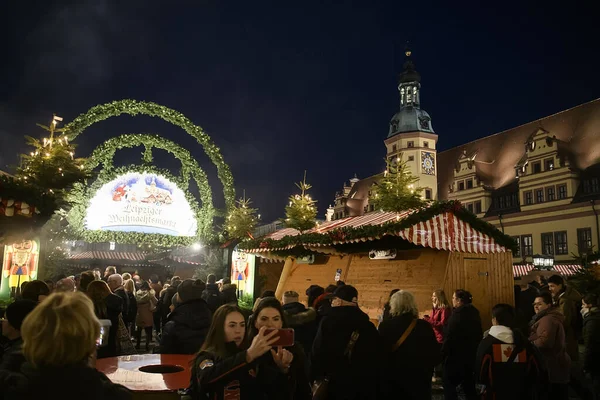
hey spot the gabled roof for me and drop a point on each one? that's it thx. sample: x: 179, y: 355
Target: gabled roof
x: 577, y: 130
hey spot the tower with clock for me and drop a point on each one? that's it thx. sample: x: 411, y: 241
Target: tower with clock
x: 411, y: 136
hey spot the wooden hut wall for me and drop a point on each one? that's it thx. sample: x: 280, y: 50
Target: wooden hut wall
x: 488, y: 277
x: 268, y: 274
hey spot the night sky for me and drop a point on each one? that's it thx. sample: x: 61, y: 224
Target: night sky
x: 286, y: 86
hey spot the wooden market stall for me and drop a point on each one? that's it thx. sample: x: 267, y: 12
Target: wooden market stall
x: 443, y: 246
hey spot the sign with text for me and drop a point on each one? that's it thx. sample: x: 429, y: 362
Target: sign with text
x: 141, y: 202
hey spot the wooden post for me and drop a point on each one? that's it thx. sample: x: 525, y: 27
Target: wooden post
x: 285, y: 273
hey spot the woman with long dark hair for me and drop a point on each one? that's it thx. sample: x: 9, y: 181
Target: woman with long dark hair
x: 269, y: 314
x: 226, y: 367
x: 506, y: 363
x: 106, y: 306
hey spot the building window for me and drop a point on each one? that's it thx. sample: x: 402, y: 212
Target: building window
x: 539, y: 195
x: 411, y: 158
x: 560, y: 242
x: 428, y: 194
x: 371, y: 207
x: 536, y: 167
x: 549, y: 164
x: 470, y: 184
x: 478, y: 207
x: 584, y: 240
x: 562, y: 192
x: 470, y: 207
x: 394, y: 148
x: 411, y: 144
x: 591, y: 186
x: 426, y: 144
x: 528, y: 198
x: 111, y: 245
x: 526, y: 245
x: 517, y: 252
x: 461, y: 185
x: 501, y: 202
x: 548, y: 243
x: 550, y: 193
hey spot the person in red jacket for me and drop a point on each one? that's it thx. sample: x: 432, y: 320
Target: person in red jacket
x: 440, y: 313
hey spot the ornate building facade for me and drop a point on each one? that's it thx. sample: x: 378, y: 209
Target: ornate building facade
x: 538, y: 182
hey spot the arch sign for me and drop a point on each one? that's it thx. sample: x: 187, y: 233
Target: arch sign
x: 141, y: 202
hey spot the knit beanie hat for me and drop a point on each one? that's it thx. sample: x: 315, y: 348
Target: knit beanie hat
x: 17, y: 311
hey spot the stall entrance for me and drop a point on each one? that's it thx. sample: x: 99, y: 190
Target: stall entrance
x: 476, y: 281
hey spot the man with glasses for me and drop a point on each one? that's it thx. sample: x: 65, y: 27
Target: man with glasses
x: 548, y: 335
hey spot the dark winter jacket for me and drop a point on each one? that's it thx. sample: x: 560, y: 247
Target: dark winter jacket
x: 304, y: 322
x: 12, y: 355
x: 439, y: 320
x: 186, y: 328
x: 125, y: 298
x: 132, y: 312
x: 229, y: 293
x: 569, y: 303
x: 322, y: 306
x: 407, y: 371
x: 591, y: 339
x: 524, y: 307
x: 74, y: 382
x: 354, y: 376
x: 212, y: 296
x: 114, y: 307
x: 520, y: 379
x: 548, y: 335
x: 462, y: 338
x: 232, y: 377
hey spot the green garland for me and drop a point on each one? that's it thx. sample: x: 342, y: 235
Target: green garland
x: 81, y: 196
x: 134, y: 107
x: 390, y: 228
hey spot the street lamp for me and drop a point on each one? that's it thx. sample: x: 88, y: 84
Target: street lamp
x: 543, y: 262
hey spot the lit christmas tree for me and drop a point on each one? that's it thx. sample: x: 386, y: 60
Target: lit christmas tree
x: 242, y: 219
x: 397, y: 190
x: 301, y: 212
x: 51, y: 167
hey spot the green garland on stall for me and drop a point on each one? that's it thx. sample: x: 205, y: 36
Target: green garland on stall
x: 80, y: 197
x: 133, y: 107
x: 390, y: 228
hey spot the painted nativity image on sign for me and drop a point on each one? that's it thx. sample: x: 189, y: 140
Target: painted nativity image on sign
x: 141, y: 202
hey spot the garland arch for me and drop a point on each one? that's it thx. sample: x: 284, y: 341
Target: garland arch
x: 133, y: 107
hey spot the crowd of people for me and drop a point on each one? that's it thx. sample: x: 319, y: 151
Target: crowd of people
x: 52, y: 341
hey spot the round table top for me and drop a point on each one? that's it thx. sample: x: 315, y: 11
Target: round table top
x: 125, y: 370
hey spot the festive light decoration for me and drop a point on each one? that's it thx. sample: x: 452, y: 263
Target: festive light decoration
x: 301, y: 212
x: 371, y: 231
x: 134, y: 107
x: 396, y: 191
x: 241, y: 220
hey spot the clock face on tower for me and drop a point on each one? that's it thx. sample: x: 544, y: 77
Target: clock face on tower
x: 428, y: 163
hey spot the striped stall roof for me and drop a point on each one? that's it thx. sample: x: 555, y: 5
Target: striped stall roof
x: 563, y: 269
x: 109, y: 255
x: 443, y: 232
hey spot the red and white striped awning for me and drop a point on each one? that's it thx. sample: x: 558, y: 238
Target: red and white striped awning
x: 109, y: 255
x: 563, y: 269
x: 443, y: 232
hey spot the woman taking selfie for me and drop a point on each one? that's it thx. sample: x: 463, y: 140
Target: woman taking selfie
x: 291, y: 360
x: 227, y: 368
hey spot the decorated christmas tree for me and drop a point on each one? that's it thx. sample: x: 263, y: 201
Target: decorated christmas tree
x: 397, y: 190
x: 301, y: 212
x: 242, y: 219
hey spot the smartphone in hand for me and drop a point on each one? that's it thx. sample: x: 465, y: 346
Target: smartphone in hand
x: 285, y: 337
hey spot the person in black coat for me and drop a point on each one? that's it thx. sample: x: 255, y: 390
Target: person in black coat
x: 408, y: 366
x: 187, y: 326
x: 591, y: 339
x: 352, y: 375
x: 106, y: 306
x: 507, y: 364
x: 303, y: 320
x: 115, y: 283
x: 11, y: 357
x: 229, y: 292
x: 459, y: 348
x: 132, y: 312
x: 166, y: 298
x: 211, y: 294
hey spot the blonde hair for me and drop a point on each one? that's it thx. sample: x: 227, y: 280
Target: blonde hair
x: 62, y: 330
x: 126, y: 276
x: 442, y: 299
x: 129, y: 286
x: 403, y: 302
